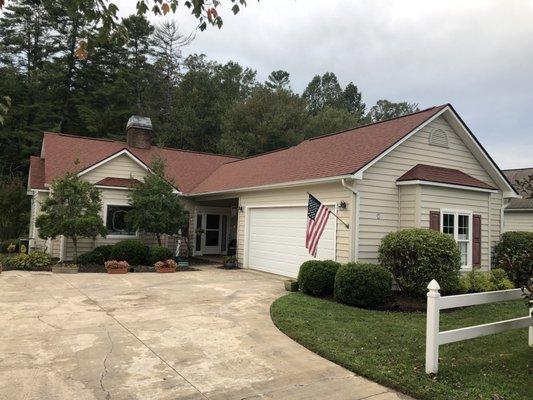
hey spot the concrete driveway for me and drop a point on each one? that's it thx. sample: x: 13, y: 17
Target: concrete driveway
x: 191, y: 335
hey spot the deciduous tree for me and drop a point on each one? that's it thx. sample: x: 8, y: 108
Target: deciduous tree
x: 156, y: 208
x: 72, y: 210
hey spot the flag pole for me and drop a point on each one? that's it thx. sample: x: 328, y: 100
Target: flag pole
x: 335, y: 215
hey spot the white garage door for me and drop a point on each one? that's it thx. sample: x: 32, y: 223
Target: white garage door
x: 276, y: 240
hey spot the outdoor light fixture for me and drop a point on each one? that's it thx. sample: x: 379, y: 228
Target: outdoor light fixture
x: 240, y: 209
x: 342, y: 205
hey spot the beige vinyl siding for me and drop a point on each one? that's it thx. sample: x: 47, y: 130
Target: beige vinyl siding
x: 326, y: 193
x: 409, y: 206
x: 36, y: 203
x: 380, y: 196
x: 120, y: 167
x: 518, y: 221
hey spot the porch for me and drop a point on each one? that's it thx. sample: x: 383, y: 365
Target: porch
x: 214, y: 231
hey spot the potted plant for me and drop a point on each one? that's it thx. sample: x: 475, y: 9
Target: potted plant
x: 291, y: 285
x: 65, y: 268
x: 165, y: 266
x: 230, y: 262
x: 116, y: 267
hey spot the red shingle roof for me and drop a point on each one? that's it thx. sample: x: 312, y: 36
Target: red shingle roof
x: 431, y: 173
x: 36, y: 173
x: 119, y: 182
x: 325, y: 156
x: 64, y: 153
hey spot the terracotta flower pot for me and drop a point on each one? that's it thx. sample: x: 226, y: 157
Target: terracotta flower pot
x: 117, y: 270
x: 164, y: 270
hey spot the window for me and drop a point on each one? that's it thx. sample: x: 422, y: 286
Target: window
x: 457, y: 225
x: 116, y: 221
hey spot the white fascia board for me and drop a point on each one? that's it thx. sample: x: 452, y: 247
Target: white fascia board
x: 113, y: 156
x: 446, y: 185
x: 275, y: 185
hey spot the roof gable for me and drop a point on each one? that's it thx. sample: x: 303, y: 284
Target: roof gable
x: 68, y: 153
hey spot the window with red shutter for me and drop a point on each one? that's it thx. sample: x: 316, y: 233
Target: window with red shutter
x: 476, y: 240
x: 434, y: 220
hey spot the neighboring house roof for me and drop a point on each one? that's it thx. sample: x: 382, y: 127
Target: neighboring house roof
x: 430, y: 173
x: 518, y: 174
x: 117, y: 182
x: 66, y: 153
x: 337, y: 154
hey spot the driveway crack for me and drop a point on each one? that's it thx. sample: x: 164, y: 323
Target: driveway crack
x: 105, y: 371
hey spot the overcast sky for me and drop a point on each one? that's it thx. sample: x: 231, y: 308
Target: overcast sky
x: 474, y: 54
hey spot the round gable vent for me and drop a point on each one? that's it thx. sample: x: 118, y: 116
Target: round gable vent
x: 438, y: 138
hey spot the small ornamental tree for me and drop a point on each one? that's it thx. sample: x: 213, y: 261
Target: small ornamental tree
x: 73, y: 210
x: 156, y: 208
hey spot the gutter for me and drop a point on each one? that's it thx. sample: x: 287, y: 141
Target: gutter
x: 354, y: 251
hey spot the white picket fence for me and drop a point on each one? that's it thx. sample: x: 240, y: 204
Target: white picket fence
x: 435, y: 303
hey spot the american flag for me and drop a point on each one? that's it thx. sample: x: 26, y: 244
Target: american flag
x: 317, y: 218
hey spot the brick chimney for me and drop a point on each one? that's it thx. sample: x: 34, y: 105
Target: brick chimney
x: 139, y: 132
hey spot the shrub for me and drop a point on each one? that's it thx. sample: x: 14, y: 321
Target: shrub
x: 514, y: 253
x: 159, y: 253
x: 500, y: 279
x: 484, y: 281
x: 318, y: 277
x: 35, y: 261
x: 416, y: 256
x: 10, y: 246
x: 132, y: 251
x: 98, y: 255
x: 363, y: 285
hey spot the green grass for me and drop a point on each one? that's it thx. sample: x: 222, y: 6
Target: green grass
x: 389, y: 348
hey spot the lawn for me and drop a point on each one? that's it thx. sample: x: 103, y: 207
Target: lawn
x: 388, y: 347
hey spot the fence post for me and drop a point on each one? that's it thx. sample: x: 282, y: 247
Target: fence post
x: 432, y: 328
x: 530, y: 340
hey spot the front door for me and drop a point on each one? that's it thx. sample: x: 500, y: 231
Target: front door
x: 212, y: 234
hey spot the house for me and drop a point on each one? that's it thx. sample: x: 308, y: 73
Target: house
x: 518, y: 213
x: 424, y: 169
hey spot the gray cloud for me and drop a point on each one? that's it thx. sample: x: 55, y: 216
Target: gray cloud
x: 475, y: 54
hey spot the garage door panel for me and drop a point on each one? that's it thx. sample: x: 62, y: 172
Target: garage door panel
x: 276, y: 240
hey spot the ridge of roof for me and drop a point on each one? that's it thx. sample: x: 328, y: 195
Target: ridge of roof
x: 126, y: 145
x: 378, y: 122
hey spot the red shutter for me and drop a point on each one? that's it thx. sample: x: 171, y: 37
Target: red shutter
x: 476, y: 240
x: 434, y: 220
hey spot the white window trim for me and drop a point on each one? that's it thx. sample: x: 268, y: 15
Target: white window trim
x: 114, y: 236
x: 456, y: 214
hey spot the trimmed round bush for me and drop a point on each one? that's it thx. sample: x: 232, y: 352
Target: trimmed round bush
x: 132, y: 251
x: 363, y: 285
x: 317, y: 278
x: 514, y: 253
x: 99, y: 255
x: 160, y: 253
x: 416, y: 256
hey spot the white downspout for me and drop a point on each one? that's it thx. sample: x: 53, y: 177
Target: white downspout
x: 355, y: 221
